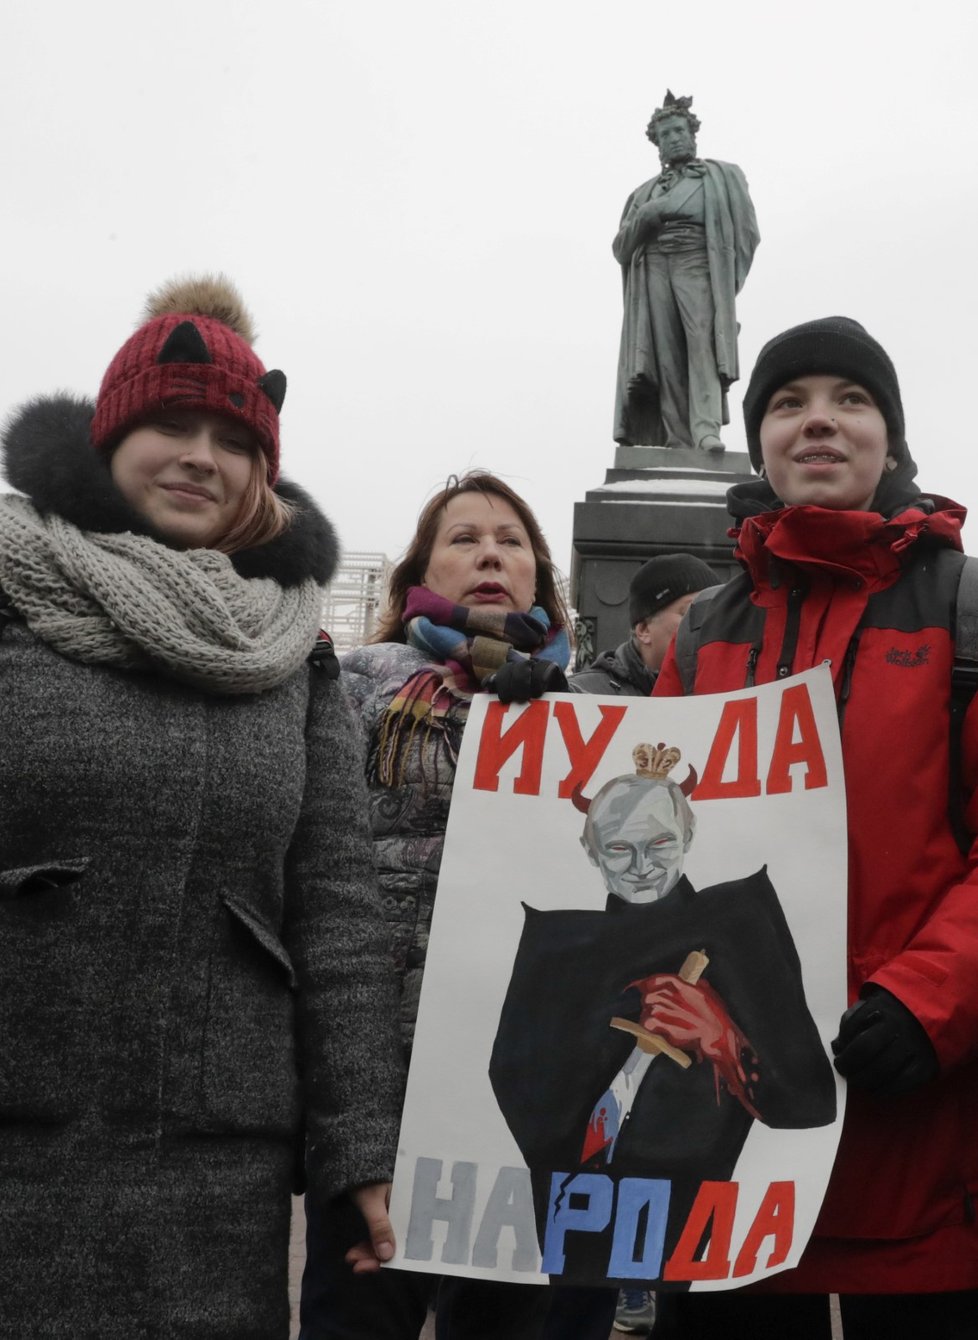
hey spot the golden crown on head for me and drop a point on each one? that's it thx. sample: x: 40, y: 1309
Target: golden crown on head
x: 655, y: 761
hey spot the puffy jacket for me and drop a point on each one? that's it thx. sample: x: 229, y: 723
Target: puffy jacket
x: 875, y: 598
x: 408, y: 819
x: 621, y: 671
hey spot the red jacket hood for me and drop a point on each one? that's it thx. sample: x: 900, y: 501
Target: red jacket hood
x: 844, y: 545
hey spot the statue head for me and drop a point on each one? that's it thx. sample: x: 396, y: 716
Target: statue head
x: 673, y: 129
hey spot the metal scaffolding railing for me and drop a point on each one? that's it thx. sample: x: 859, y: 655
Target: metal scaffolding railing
x: 354, y: 599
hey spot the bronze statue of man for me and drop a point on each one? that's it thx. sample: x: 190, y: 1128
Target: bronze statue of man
x: 685, y: 244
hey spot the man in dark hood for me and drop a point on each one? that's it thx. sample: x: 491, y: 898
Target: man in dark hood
x: 659, y: 594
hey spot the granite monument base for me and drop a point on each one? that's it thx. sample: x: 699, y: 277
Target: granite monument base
x: 655, y: 500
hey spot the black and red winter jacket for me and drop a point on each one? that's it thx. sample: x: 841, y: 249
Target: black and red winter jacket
x: 875, y: 598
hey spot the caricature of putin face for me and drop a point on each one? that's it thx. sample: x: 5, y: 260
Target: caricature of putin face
x: 637, y: 833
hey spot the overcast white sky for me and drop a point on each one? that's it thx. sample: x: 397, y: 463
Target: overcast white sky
x: 417, y: 199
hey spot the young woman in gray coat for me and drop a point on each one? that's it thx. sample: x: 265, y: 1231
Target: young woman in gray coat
x: 192, y: 962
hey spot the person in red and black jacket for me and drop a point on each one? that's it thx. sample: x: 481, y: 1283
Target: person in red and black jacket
x: 846, y: 562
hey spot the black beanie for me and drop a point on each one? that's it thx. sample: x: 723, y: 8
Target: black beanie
x: 662, y: 580
x: 835, y: 345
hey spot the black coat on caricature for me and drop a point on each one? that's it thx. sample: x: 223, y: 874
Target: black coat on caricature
x: 555, y: 1053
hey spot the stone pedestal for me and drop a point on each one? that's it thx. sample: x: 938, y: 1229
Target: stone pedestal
x: 655, y: 500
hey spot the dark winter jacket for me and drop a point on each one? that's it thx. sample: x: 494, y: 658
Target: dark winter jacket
x: 192, y: 964
x: 876, y: 599
x: 408, y: 820
x: 621, y: 671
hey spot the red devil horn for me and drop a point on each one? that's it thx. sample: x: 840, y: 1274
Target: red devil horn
x: 689, y: 784
x: 580, y: 801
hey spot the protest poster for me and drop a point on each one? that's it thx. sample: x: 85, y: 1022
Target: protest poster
x: 611, y: 864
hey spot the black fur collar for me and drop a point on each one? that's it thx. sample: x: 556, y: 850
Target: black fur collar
x: 47, y: 455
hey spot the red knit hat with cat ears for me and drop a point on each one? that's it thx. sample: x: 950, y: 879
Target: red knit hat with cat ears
x: 193, y: 352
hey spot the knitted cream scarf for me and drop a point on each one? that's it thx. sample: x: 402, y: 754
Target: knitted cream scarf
x: 128, y: 601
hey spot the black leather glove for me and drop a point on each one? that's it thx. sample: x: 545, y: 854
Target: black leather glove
x: 882, y: 1047
x: 519, y: 681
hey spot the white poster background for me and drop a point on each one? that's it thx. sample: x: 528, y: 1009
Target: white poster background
x: 503, y: 849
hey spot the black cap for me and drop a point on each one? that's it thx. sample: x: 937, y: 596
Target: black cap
x: 834, y: 345
x: 664, y: 579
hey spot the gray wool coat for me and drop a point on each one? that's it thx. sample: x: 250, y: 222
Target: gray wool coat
x: 192, y: 966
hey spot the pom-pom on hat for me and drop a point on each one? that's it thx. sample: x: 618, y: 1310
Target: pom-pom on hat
x: 834, y: 345
x: 663, y: 580
x: 193, y: 352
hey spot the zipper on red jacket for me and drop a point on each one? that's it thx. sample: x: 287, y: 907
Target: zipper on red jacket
x: 752, y: 656
x: 792, y: 624
x: 845, y: 684
x: 847, y: 668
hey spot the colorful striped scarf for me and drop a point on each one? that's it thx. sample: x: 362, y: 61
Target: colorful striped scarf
x: 466, y: 643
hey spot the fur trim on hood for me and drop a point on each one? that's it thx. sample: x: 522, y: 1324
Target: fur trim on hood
x: 47, y: 454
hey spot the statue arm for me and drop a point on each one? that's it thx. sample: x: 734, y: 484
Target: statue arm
x: 639, y: 221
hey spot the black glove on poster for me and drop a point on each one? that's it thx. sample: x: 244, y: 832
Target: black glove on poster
x: 519, y: 681
x: 882, y: 1047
